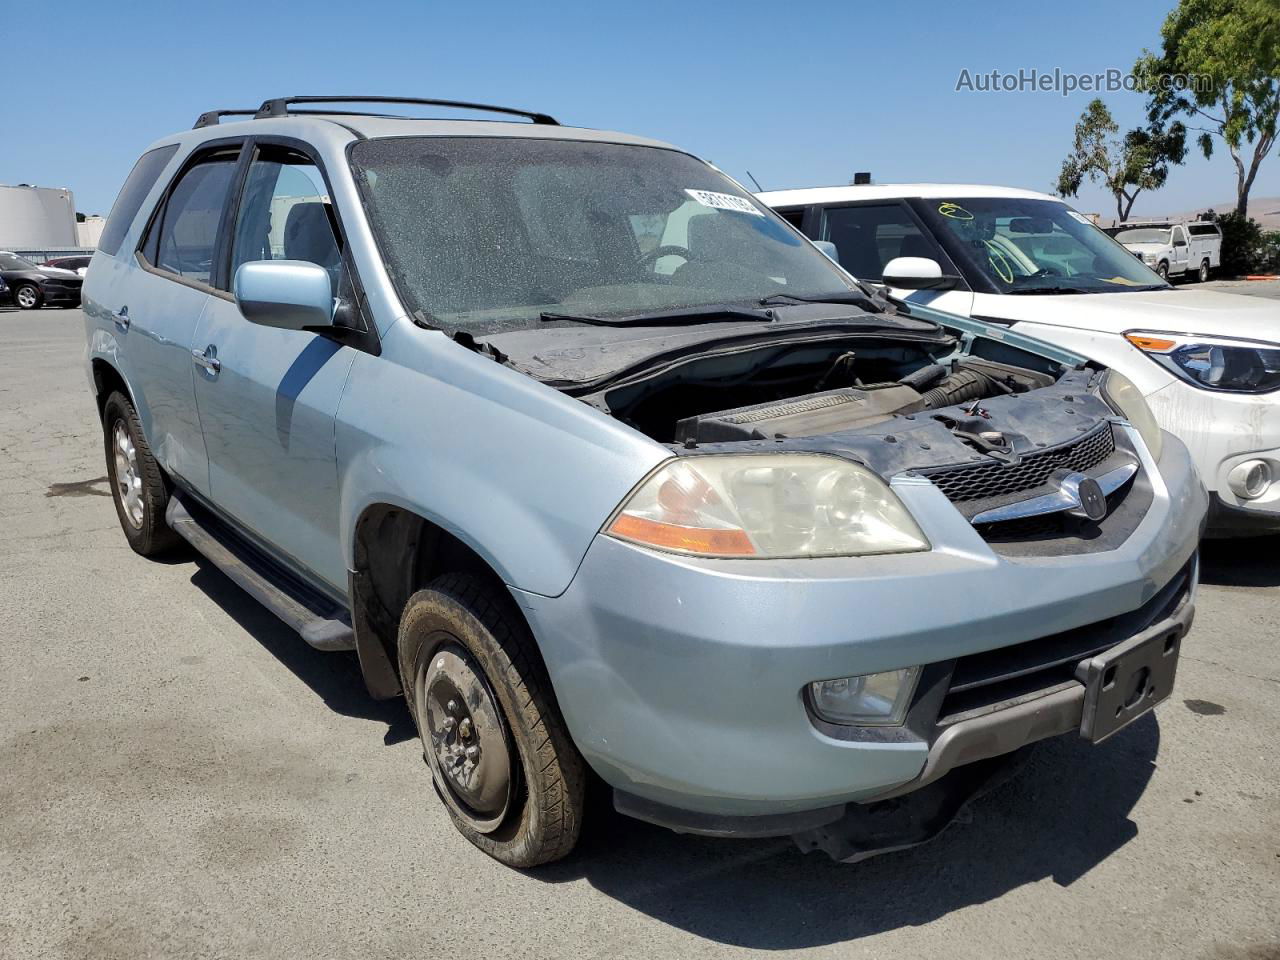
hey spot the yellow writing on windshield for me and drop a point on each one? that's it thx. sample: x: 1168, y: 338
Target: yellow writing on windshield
x: 954, y: 211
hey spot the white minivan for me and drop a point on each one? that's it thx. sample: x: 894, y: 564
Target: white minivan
x: 1207, y: 362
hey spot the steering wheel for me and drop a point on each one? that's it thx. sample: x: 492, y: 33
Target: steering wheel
x: 665, y: 250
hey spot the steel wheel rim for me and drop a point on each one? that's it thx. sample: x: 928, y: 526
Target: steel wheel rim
x: 128, y: 477
x: 464, y: 736
x: 1204, y: 272
x: 26, y: 297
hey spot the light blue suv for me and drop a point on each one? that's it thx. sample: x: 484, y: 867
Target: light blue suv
x: 611, y: 472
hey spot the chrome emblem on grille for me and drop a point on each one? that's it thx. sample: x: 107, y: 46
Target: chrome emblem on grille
x: 1088, y: 493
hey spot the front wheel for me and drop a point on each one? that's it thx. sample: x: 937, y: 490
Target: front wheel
x: 27, y: 296
x: 500, y: 755
x: 1163, y: 270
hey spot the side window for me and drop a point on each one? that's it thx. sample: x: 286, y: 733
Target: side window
x: 285, y: 213
x: 793, y: 216
x: 868, y: 237
x: 183, y: 238
x: 141, y: 180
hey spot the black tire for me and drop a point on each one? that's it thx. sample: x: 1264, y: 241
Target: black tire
x: 149, y: 536
x: 543, y: 817
x: 1162, y: 268
x: 1203, y: 274
x: 30, y: 293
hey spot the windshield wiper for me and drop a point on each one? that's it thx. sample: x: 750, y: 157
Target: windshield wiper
x: 661, y: 318
x: 851, y: 297
x: 1048, y: 290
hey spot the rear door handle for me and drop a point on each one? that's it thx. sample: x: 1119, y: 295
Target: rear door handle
x: 207, y: 358
x: 121, y: 318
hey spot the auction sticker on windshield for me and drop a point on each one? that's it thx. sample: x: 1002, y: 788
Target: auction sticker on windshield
x: 724, y: 201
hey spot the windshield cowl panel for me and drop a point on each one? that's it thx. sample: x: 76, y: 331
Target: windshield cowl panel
x: 485, y: 235
x: 1014, y: 245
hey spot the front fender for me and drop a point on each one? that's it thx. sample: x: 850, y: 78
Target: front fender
x: 519, y: 472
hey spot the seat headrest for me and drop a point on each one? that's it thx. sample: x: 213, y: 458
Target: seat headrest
x: 309, y: 234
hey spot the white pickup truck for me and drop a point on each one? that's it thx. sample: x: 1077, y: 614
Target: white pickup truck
x: 1174, y: 249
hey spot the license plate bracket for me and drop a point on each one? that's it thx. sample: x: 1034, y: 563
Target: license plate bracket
x: 1129, y: 679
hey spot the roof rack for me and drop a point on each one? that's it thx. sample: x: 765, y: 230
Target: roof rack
x: 210, y: 118
x: 279, y: 107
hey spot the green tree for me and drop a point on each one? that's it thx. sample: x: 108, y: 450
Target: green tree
x: 1125, y: 166
x: 1229, y: 50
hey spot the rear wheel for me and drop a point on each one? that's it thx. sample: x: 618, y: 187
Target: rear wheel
x: 500, y: 755
x: 27, y: 296
x: 137, y: 483
x: 1203, y: 274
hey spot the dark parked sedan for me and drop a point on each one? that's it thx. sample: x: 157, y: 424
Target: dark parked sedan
x: 32, y: 287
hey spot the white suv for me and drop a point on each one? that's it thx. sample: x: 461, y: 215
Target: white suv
x: 1207, y: 362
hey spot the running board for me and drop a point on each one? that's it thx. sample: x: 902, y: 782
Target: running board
x: 320, y: 622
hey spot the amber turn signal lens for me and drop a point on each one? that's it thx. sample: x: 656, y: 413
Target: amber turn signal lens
x: 1143, y: 342
x: 672, y: 536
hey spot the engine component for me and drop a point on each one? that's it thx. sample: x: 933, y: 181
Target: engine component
x: 816, y: 413
x: 925, y: 377
x: 960, y: 386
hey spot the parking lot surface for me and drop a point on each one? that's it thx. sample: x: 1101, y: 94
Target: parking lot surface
x: 181, y: 776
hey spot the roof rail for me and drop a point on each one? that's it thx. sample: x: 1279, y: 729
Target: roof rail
x: 210, y: 118
x: 279, y: 107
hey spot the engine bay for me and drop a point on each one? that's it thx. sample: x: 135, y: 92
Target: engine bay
x: 806, y: 391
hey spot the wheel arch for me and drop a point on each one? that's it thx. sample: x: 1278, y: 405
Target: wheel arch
x: 396, y: 551
x: 106, y: 380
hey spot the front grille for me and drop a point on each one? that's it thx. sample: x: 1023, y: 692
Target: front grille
x: 998, y: 479
x: 987, y: 681
x: 58, y: 283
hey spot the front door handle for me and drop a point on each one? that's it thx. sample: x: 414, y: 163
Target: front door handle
x: 207, y: 358
x: 121, y: 318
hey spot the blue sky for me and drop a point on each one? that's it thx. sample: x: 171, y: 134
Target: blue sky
x: 799, y: 94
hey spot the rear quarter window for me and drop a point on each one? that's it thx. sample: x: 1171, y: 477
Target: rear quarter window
x: 135, y: 190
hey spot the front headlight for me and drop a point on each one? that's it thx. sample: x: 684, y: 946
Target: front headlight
x: 876, y: 699
x: 1127, y: 400
x: 766, y: 506
x: 1214, y: 363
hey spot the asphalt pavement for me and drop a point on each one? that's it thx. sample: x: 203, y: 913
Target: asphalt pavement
x: 181, y: 776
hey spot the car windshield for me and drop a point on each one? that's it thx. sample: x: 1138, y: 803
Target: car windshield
x: 1035, y: 246
x: 487, y: 234
x: 1143, y: 235
x: 9, y: 262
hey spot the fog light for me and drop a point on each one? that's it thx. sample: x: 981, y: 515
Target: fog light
x: 875, y: 699
x: 1250, y: 480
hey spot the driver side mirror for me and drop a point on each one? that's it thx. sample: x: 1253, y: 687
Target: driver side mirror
x: 917, y: 273
x: 288, y: 294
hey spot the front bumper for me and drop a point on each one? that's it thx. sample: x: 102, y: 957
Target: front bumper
x: 59, y: 295
x: 1222, y: 431
x: 680, y: 679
